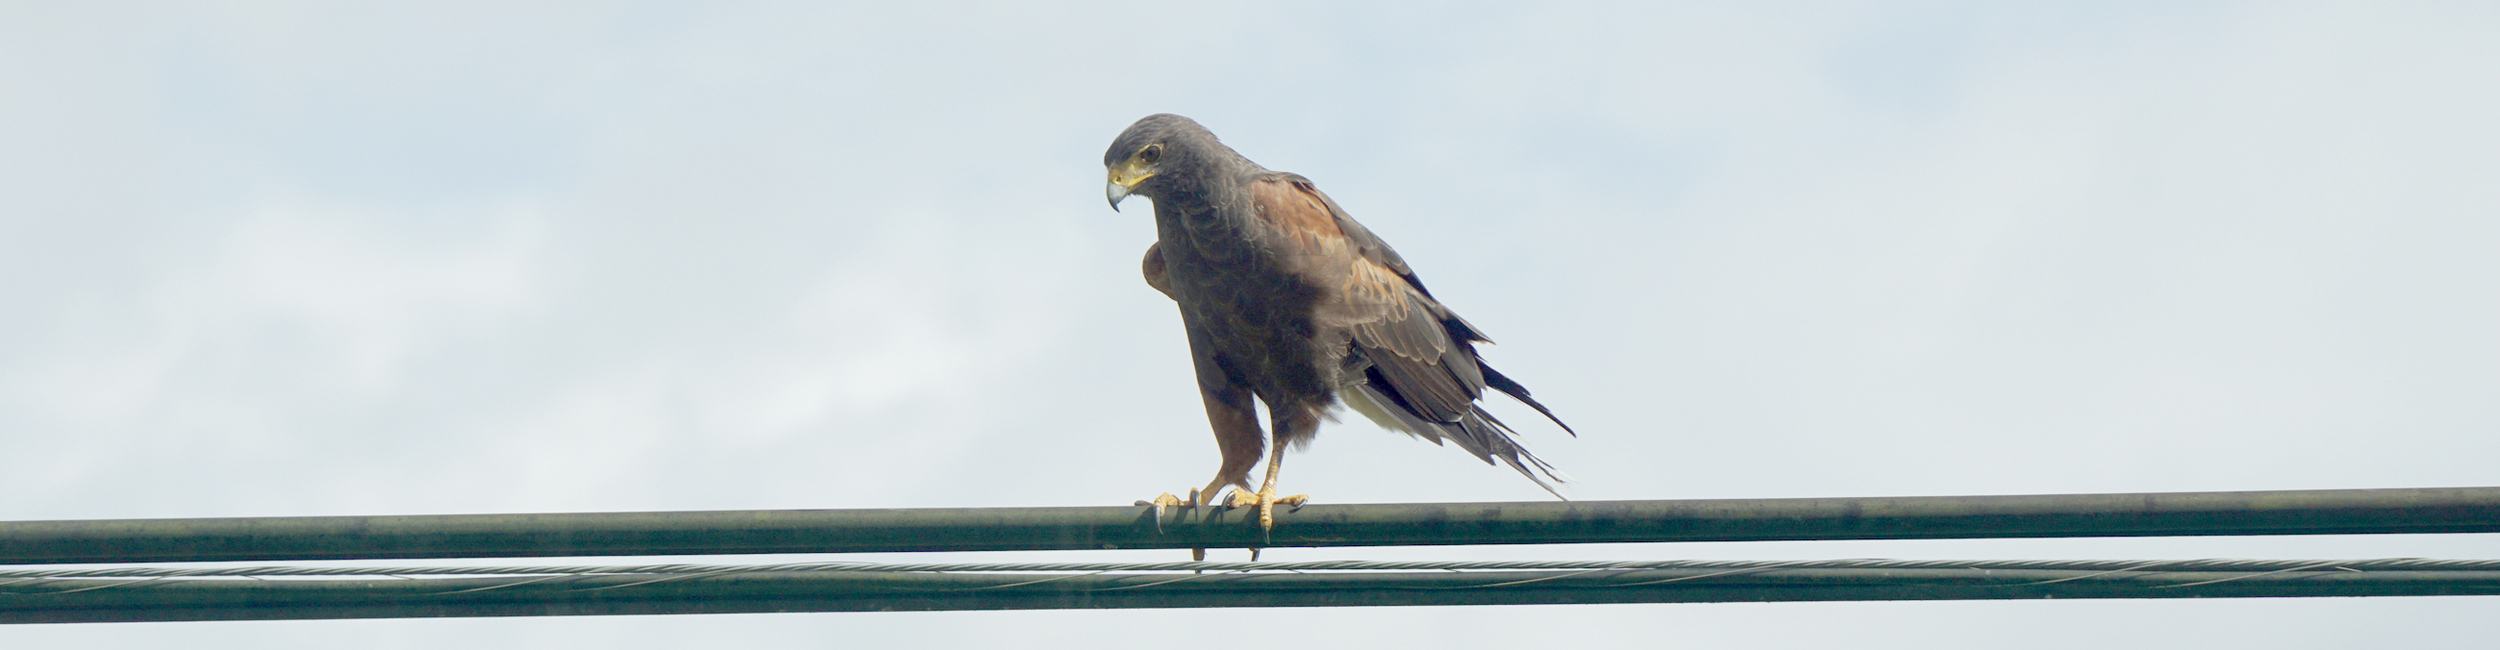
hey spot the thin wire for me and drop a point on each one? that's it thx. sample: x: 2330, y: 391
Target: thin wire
x: 2311, y: 568
x: 1719, y: 574
x: 687, y: 571
x: 1149, y: 574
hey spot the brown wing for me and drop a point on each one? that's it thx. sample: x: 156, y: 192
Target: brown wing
x: 1420, y: 356
x: 1156, y: 276
x: 1395, y: 324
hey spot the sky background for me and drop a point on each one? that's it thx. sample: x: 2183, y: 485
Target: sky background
x: 314, y: 258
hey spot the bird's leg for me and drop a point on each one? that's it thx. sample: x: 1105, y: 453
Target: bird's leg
x: 1207, y: 495
x: 1266, y: 498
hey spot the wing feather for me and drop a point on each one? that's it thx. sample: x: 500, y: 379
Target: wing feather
x: 1157, y: 275
x: 1423, y: 375
x: 1395, y: 325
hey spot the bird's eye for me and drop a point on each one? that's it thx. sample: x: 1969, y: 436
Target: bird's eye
x: 1150, y: 154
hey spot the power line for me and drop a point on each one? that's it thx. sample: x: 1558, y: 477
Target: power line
x: 2301, y: 512
x: 17, y: 577
x: 824, y: 587
x: 146, y: 593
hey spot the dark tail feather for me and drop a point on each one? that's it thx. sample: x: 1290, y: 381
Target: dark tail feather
x: 1504, y: 383
x: 1479, y: 432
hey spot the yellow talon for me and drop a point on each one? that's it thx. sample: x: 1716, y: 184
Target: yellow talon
x: 1266, y: 501
x: 1166, y: 500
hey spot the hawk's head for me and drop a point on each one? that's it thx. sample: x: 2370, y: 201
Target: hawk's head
x: 1152, y: 153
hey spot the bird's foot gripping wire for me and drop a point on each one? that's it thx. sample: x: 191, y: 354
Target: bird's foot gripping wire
x: 1163, y: 503
x: 1266, y: 501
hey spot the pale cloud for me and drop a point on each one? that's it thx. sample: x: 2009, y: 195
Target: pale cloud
x: 359, y: 298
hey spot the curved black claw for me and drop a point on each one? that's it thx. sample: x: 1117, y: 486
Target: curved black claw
x: 1162, y: 503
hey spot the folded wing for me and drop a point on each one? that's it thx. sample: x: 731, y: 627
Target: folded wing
x: 1421, y: 374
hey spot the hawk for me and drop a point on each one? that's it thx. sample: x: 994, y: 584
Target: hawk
x: 1288, y: 299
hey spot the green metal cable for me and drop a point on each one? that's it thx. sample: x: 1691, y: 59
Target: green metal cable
x: 52, y: 600
x: 2303, y: 512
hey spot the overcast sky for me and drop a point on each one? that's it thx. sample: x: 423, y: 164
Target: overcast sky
x: 331, y: 258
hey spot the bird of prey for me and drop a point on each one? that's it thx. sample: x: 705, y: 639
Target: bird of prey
x: 1288, y: 299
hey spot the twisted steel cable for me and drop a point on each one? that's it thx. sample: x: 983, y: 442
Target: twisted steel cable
x: 2086, y: 568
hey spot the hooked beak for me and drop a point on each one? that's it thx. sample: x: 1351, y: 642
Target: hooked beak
x: 1124, y: 180
x: 1115, y: 192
